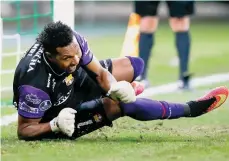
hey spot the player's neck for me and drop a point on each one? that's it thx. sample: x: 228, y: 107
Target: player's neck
x: 53, y: 66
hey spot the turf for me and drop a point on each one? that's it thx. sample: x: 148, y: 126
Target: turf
x: 203, y: 138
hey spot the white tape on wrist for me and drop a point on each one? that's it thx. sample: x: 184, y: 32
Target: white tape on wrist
x: 54, y: 126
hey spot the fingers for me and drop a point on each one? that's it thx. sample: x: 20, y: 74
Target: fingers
x: 66, y: 121
x: 122, y: 91
x: 70, y: 110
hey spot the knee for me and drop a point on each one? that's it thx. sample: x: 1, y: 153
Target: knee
x: 111, y: 108
x: 137, y: 64
x: 179, y: 24
x: 124, y: 63
x: 148, y: 24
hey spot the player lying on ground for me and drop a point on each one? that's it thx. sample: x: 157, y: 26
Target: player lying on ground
x: 62, y: 90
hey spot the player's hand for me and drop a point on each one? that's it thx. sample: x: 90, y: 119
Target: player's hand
x: 122, y: 91
x: 64, y: 122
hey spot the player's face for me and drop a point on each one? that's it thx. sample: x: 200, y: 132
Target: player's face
x: 68, y: 57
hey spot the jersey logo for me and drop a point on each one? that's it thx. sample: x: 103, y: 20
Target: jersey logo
x: 35, y: 59
x: 85, y: 123
x: 45, y: 105
x: 48, y: 81
x: 53, y: 84
x: 69, y: 80
x: 98, y: 118
x: 33, y: 49
x: 33, y: 98
x: 23, y: 106
x: 62, y: 99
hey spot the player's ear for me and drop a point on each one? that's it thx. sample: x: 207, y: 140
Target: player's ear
x: 48, y: 54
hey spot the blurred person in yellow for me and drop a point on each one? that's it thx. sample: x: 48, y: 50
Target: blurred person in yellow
x: 131, y: 40
x: 142, y: 26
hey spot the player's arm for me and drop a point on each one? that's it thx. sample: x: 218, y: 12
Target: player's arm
x: 31, y: 129
x: 120, y: 91
x: 92, y: 66
x: 101, y: 75
x: 32, y: 105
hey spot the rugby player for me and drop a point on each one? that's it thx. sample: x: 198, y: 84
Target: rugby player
x: 62, y: 91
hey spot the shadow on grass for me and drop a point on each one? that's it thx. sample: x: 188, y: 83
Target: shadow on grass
x: 122, y: 139
x: 149, y: 139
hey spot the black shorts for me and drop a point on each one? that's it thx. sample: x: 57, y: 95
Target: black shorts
x: 87, y: 100
x: 90, y: 116
x: 176, y: 8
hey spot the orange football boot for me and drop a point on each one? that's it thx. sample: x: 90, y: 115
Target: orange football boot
x: 212, y: 100
x: 219, y: 93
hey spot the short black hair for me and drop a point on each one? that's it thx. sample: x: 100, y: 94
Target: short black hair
x: 55, y: 34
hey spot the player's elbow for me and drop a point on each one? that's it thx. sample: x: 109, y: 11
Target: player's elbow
x: 22, y: 135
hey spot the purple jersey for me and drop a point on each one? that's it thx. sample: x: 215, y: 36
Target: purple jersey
x: 39, y: 86
x: 86, y: 52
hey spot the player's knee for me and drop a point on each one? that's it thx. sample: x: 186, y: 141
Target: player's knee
x: 111, y: 108
x: 137, y: 64
x: 107, y: 105
x: 148, y: 24
x: 179, y: 24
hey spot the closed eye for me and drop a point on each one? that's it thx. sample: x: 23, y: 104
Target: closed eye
x: 66, y: 58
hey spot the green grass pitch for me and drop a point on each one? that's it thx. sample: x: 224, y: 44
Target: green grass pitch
x: 203, y: 138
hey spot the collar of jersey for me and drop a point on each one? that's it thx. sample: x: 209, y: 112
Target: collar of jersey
x: 51, y: 67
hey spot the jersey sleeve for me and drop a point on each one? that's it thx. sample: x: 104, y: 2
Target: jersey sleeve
x: 87, y: 55
x: 33, y: 102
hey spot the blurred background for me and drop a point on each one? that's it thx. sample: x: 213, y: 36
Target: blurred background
x: 104, y: 24
x: 94, y: 17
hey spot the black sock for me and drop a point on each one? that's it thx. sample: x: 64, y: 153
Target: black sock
x: 183, y: 49
x: 187, y: 110
x: 198, y: 108
x: 145, y: 45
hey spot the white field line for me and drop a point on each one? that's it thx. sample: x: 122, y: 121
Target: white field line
x: 196, y: 82
x: 163, y: 89
x: 6, y: 120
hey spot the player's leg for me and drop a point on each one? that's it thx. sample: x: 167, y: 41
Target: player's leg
x: 146, y: 109
x: 148, y: 25
x: 97, y: 113
x: 92, y: 115
x: 124, y: 68
x: 180, y: 12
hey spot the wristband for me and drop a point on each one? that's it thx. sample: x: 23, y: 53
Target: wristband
x: 54, y: 125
